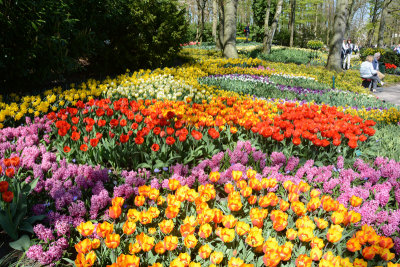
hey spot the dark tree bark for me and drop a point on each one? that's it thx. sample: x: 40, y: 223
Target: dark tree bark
x: 339, y: 26
x: 269, y: 32
x: 214, y: 19
x: 229, y: 46
x: 374, y: 19
x: 382, y: 23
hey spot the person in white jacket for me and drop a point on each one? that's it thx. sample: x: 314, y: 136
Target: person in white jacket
x: 367, y: 71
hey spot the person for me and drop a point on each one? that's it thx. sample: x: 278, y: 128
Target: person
x: 343, y: 52
x: 375, y: 64
x: 347, y: 56
x: 367, y: 71
x: 397, y: 49
x: 356, y: 49
x: 247, y: 32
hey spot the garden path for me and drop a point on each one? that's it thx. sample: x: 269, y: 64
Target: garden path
x: 390, y: 94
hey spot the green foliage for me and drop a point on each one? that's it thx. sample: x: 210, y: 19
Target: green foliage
x: 369, y: 51
x: 387, y: 140
x: 287, y: 55
x: 315, y: 44
x: 47, y: 41
x: 391, y: 57
x: 13, y: 216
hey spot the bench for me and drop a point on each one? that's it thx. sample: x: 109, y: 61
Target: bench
x: 366, y: 83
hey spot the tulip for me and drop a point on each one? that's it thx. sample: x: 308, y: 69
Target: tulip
x: 103, y: 229
x: 173, y: 184
x: 360, y: 263
x: 242, y: 228
x: 205, y: 230
x: 129, y: 227
x: 271, y: 259
x: 285, y: 251
x: 3, y: 185
x: 235, y: 262
x: 334, y: 233
x: 227, y: 235
x: 229, y: 221
x: 112, y: 240
x: 204, y: 251
x: 139, y: 201
x: 216, y: 257
x: 214, y: 176
x: 353, y: 245
x: 145, y: 217
x: 146, y: 242
x: 228, y: 188
x: 355, y: 201
x: 7, y: 196
x: 291, y: 234
x: 85, y: 228
x: 159, y: 248
x: 114, y: 211
x: 255, y: 238
x: 83, y: 260
x: 135, y: 248
x: 190, y: 241
x: 303, y: 261
x: 315, y: 254
x: 118, y: 201
x: 170, y: 242
x: 306, y: 234
x: 368, y: 253
x: 84, y: 246
x: 317, y: 242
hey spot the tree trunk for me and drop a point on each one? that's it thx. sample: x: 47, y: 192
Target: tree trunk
x: 267, y: 11
x: 214, y: 20
x: 230, y: 50
x: 316, y: 21
x: 292, y: 20
x: 269, y: 32
x: 374, y: 18
x: 349, y: 17
x: 221, y: 23
x: 339, y: 26
x: 382, y: 23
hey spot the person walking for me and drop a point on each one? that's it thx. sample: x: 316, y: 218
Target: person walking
x: 247, y: 32
x: 343, y: 52
x: 367, y: 71
x: 348, y: 52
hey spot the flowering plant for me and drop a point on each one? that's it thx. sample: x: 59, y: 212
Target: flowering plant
x: 14, y: 207
x: 253, y: 220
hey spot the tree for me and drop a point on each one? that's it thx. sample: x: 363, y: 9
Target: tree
x: 269, y: 32
x: 229, y: 41
x: 339, y: 26
x: 382, y: 23
x: 214, y: 20
x: 292, y: 20
x: 374, y: 20
x: 201, y: 5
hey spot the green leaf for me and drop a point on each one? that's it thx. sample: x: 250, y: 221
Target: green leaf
x: 36, y: 218
x: 8, y: 226
x: 26, y: 226
x: 21, y: 244
x: 69, y: 261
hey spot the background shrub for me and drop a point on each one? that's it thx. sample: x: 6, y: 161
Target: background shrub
x: 44, y: 41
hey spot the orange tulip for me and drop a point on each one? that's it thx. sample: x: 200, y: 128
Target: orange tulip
x: 236, y: 175
x: 321, y: 223
x: 271, y: 245
x: 228, y: 188
x: 145, y: 217
x: 334, y: 233
x: 190, y: 241
x: 272, y: 259
x: 241, y: 184
x: 159, y: 248
x: 246, y: 192
x: 255, y: 184
x: 386, y: 242
x: 315, y: 254
x: 229, y: 221
x: 242, y: 228
x: 83, y: 260
x: 112, y: 240
x: 144, y: 190
x: 139, y: 201
x: 284, y: 205
x: 235, y: 262
x: 154, y: 193
x: 285, y: 251
x: 338, y: 217
x: 204, y: 251
x: 85, y: 228
x: 386, y: 255
x: 171, y: 212
x: 299, y: 208
x: 355, y: 201
x: 214, y: 176
x: 146, y: 242
x: 368, y: 253
x: 170, y: 242
x: 255, y: 238
x: 227, y: 235
x: 360, y: 263
x: 291, y: 234
x: 315, y: 193
x: 313, y: 204
x: 117, y: 201
x: 128, y: 260
x: 95, y: 243
x: 84, y: 246
x: 173, y: 184
x: 186, y: 229
x: 129, y: 227
x: 205, y: 230
x: 353, y: 245
x: 133, y: 215
x: 303, y: 261
x: 114, y: 211
x: 317, y: 242
x: 293, y: 197
x: 216, y: 257
x: 252, y: 200
x: 166, y: 226
x: 134, y: 248
x: 103, y: 229
x: 306, y: 234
